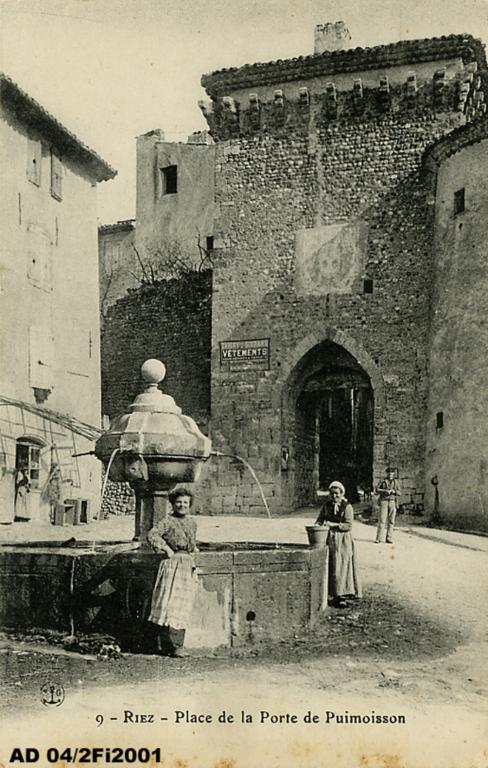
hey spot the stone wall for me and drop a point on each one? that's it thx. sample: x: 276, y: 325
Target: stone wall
x: 356, y: 174
x: 323, y: 233
x: 171, y: 321
x: 457, y: 447
x: 118, y: 499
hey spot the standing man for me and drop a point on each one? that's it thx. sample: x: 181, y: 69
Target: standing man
x: 389, y: 492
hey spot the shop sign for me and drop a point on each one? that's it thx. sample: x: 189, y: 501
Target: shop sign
x: 246, y: 355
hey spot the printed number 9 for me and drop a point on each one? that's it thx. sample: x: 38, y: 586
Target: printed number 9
x: 99, y: 719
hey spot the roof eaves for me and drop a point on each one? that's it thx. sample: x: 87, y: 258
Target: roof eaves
x: 125, y: 225
x: 35, y: 115
x: 462, y: 137
x: 349, y: 60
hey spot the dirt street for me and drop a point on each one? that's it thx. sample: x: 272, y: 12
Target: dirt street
x: 415, y: 646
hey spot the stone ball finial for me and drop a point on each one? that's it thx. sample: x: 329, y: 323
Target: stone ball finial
x: 153, y: 371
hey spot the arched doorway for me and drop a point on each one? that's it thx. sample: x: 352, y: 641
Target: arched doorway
x: 328, y: 424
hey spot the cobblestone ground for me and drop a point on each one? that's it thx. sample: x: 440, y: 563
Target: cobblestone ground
x: 416, y: 644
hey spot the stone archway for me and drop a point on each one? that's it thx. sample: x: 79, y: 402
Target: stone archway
x: 332, y: 403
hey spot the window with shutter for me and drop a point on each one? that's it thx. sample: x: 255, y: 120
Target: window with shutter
x: 34, y: 161
x: 39, y: 256
x: 56, y: 177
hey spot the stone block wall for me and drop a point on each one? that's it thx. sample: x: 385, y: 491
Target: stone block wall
x: 363, y: 173
x: 170, y: 321
x: 323, y: 230
x: 118, y: 499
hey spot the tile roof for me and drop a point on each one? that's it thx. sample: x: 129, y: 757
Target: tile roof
x: 406, y: 52
x: 35, y: 115
x: 126, y: 225
x: 472, y: 133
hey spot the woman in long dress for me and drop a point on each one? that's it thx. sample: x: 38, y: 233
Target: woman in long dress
x: 338, y: 516
x: 22, y: 489
x: 176, y: 583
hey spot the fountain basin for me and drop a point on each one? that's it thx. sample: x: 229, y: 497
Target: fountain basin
x: 162, y: 472
x: 247, y: 591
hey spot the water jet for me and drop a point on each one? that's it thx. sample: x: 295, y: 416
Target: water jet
x: 85, y: 586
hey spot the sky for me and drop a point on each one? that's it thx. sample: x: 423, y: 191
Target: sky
x: 111, y: 70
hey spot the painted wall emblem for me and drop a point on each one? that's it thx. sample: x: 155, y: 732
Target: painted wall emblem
x: 329, y: 259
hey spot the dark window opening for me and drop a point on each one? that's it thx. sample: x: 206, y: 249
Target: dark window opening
x: 459, y: 201
x: 368, y: 286
x: 27, y: 463
x: 439, y: 420
x: 170, y: 179
x: 250, y: 616
x: 210, y: 243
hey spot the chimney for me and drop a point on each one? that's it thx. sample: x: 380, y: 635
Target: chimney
x: 331, y: 37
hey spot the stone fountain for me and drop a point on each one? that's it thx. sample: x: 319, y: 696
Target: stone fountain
x: 248, y: 591
x: 152, y: 447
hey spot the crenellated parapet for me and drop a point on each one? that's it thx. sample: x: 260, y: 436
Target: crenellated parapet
x: 277, y: 109
x: 406, y: 78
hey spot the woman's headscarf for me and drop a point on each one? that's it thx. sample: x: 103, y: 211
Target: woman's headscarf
x: 337, y: 484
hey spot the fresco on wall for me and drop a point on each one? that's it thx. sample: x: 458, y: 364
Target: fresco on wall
x: 329, y: 259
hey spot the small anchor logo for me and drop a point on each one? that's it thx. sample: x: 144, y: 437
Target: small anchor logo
x: 52, y: 694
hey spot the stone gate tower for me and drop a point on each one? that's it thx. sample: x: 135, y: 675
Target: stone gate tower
x: 324, y: 228
x: 319, y: 226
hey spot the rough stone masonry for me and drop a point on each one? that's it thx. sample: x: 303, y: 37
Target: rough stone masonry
x: 323, y: 239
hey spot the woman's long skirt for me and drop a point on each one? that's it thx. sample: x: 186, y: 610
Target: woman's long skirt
x: 343, y: 569
x: 174, y: 592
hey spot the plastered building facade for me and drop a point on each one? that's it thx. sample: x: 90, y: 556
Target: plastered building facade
x: 327, y: 301
x: 50, y: 349
x: 117, y: 262
x: 457, y: 454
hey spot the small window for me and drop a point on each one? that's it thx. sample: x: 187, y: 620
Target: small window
x: 210, y: 243
x: 27, y: 463
x: 34, y: 161
x: 459, y: 201
x: 368, y: 286
x: 439, y: 419
x: 56, y: 177
x: 170, y: 179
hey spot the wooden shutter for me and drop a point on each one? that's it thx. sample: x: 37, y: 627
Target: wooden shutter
x: 56, y: 177
x: 34, y: 161
x: 39, y: 256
